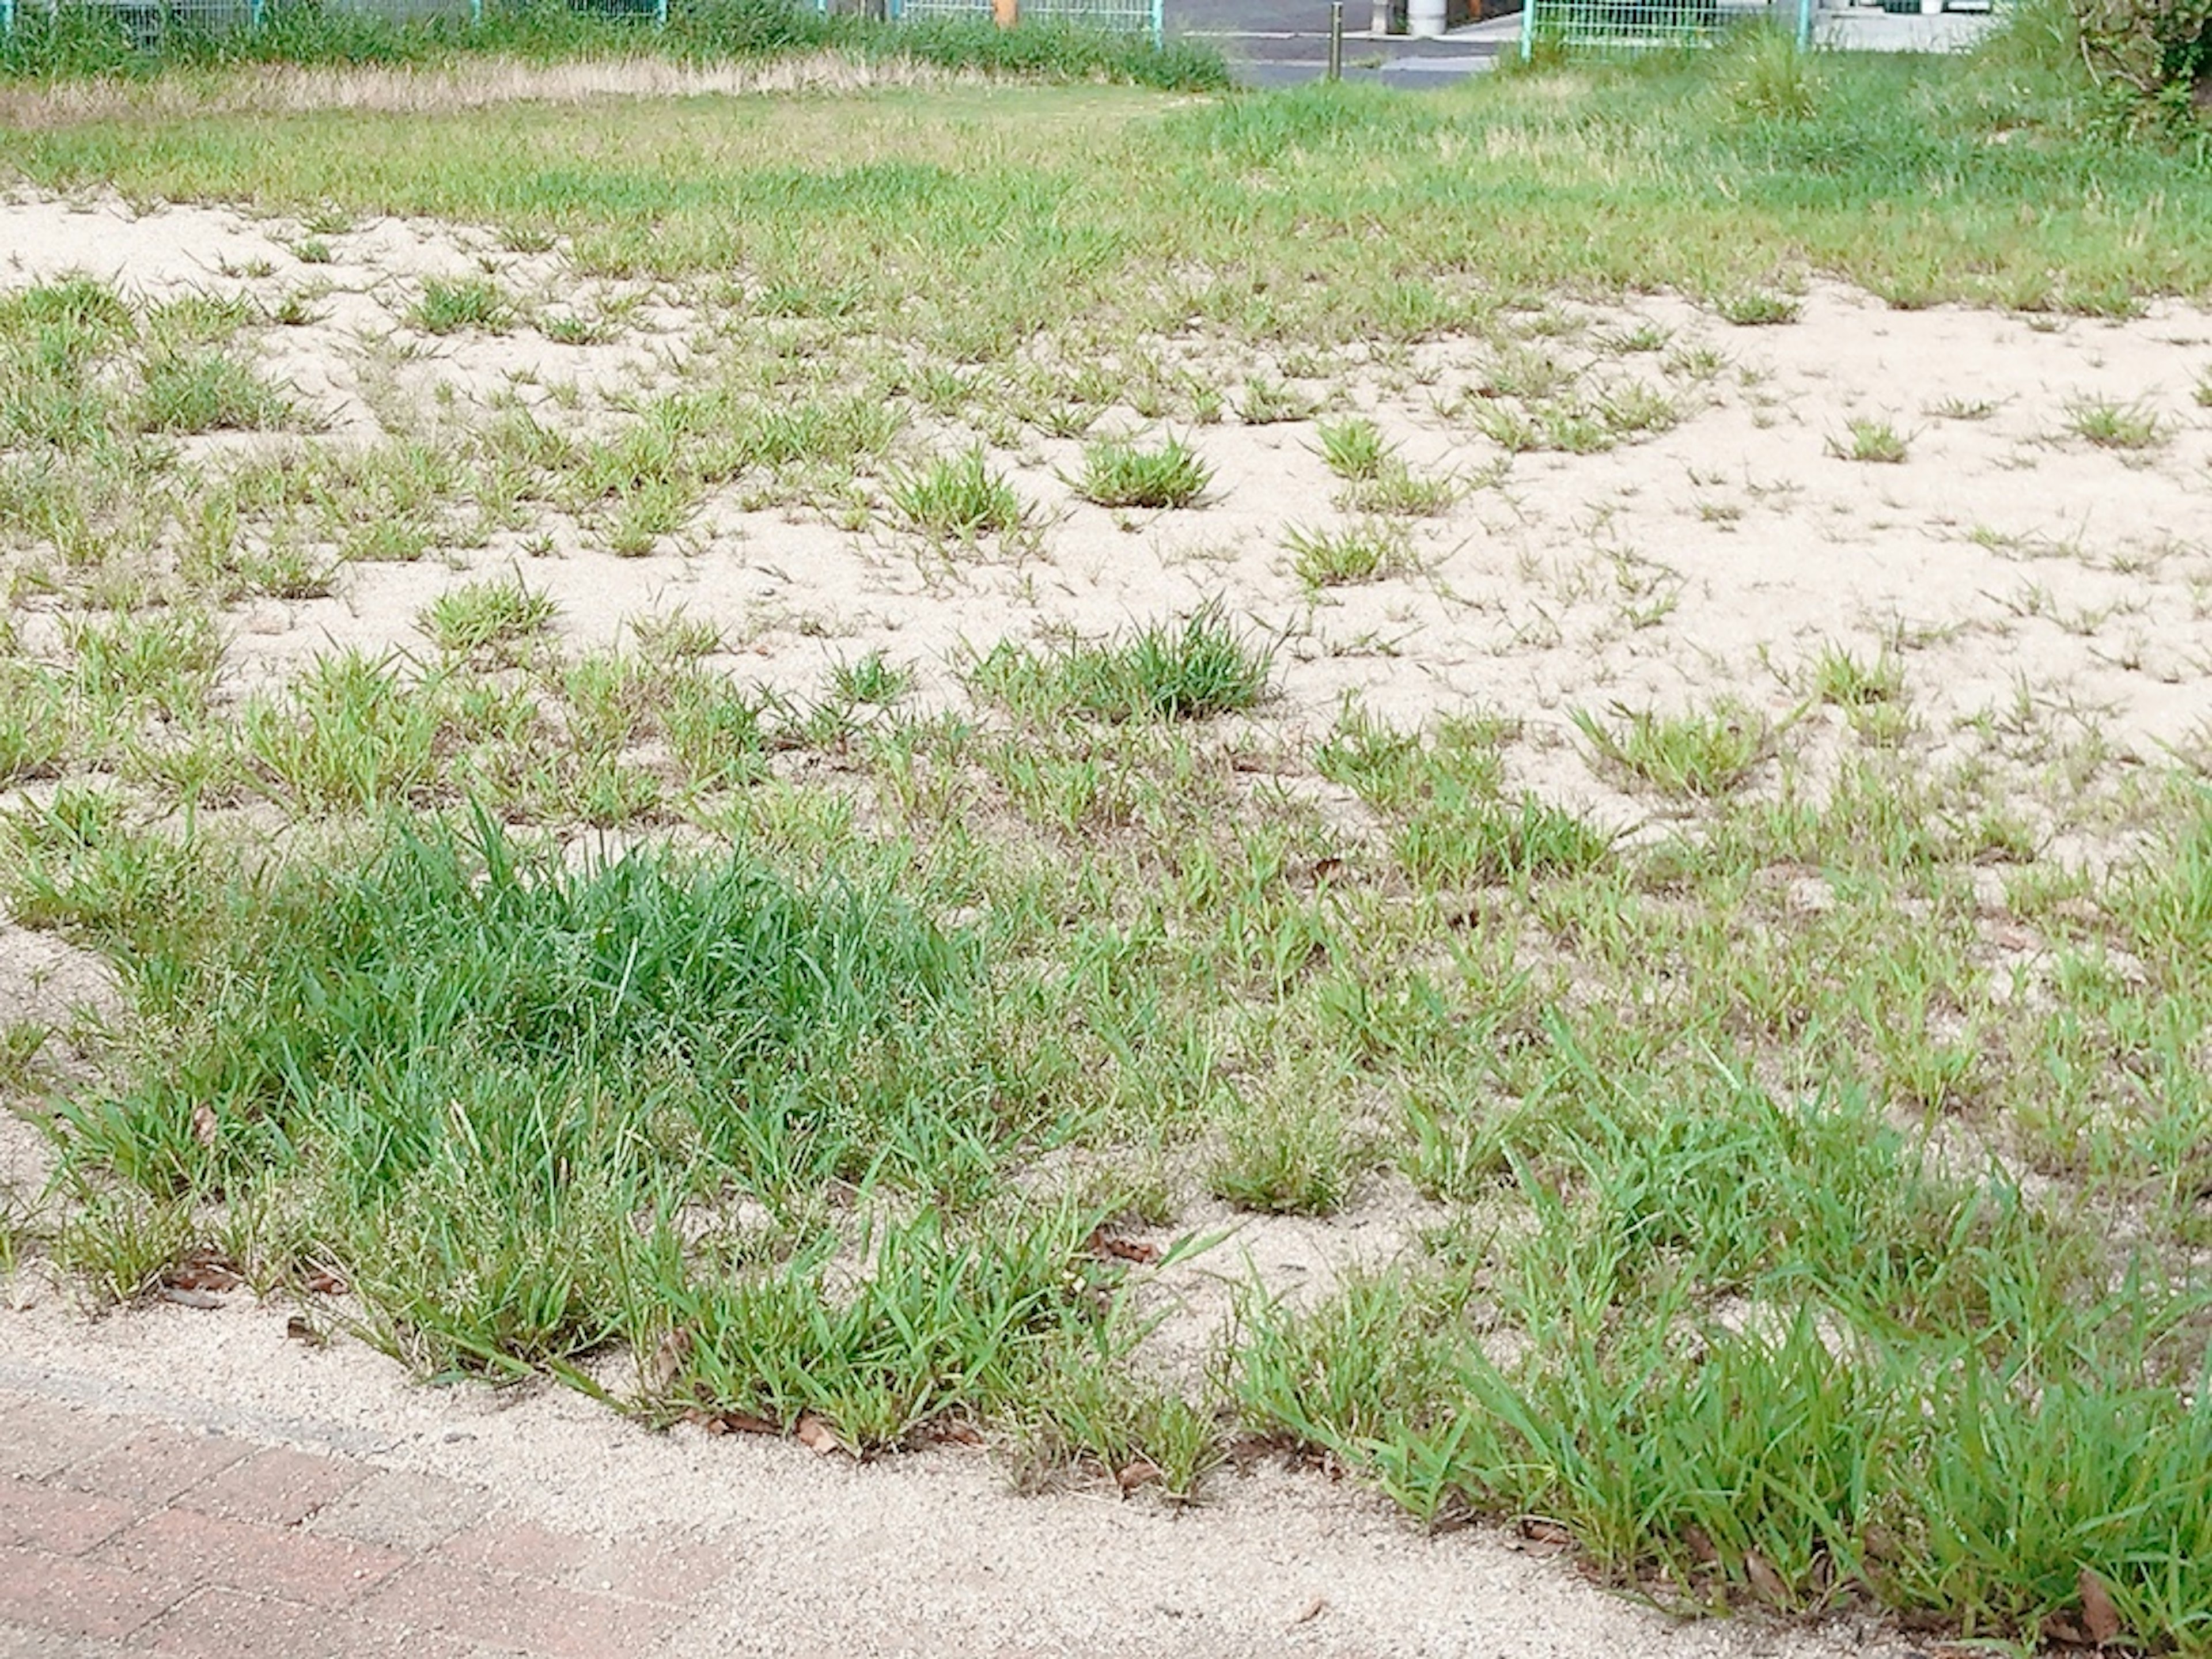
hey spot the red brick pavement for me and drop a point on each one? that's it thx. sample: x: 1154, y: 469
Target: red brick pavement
x: 123, y: 1535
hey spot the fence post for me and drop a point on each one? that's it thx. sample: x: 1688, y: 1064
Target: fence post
x: 1006, y: 13
x: 1528, y: 29
x: 1336, y: 39
x: 7, y: 16
x: 1804, y: 24
x: 1160, y: 25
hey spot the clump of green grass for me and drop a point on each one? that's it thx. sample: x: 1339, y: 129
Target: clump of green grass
x: 1354, y: 449
x: 1842, y: 679
x: 1284, y: 1158
x: 2111, y: 425
x: 872, y: 679
x: 450, y: 305
x: 957, y: 497
x: 486, y: 615
x: 1187, y: 669
x: 1117, y: 474
x: 1376, y: 478
x: 207, y: 391
x: 1695, y: 754
x: 1866, y: 438
x: 1757, y: 308
x: 1363, y: 552
x: 444, y: 1045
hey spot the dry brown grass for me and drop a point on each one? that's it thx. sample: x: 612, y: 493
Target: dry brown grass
x: 474, y: 84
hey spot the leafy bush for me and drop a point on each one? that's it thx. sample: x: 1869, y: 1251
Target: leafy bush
x: 2161, y: 49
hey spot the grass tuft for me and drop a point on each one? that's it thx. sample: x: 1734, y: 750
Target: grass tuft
x: 1117, y: 474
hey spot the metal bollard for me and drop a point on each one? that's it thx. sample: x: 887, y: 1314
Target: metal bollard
x: 1336, y: 39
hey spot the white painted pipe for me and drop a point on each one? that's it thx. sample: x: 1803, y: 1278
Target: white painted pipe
x: 1425, y: 19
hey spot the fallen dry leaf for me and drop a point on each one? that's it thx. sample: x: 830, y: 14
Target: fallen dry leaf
x: 205, y: 1126
x: 299, y: 1330
x: 1765, y: 1580
x: 816, y: 1436
x: 1538, y: 1529
x: 202, y: 1271
x: 730, y: 1422
x: 1313, y: 1611
x: 669, y: 1359
x: 1123, y: 1249
x: 1139, y: 1472
x: 321, y: 1281
x: 1701, y: 1544
x: 2101, y: 1619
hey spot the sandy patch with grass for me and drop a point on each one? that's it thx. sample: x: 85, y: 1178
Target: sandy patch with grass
x: 1949, y: 532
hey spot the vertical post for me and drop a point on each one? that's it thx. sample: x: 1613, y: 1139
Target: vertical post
x: 660, y: 13
x: 1528, y: 29
x: 6, y: 17
x: 1006, y: 13
x: 475, y: 14
x: 1804, y: 24
x: 1336, y: 39
x: 1160, y: 25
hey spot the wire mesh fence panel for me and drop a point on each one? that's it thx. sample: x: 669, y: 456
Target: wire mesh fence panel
x: 146, y: 25
x: 1120, y: 16
x: 1631, y: 25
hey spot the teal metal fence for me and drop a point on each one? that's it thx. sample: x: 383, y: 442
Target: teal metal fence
x: 1628, y: 26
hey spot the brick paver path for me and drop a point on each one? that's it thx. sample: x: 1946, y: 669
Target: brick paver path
x: 122, y: 1535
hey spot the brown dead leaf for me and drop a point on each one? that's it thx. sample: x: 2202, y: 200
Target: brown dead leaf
x: 205, y: 1126
x: 200, y: 1271
x: 1312, y: 1611
x: 1104, y: 1244
x: 1138, y: 1472
x: 669, y: 1358
x: 1547, y: 1532
x: 300, y: 1329
x: 816, y: 1436
x: 1764, y: 1581
x: 958, y: 1434
x: 2101, y: 1619
x: 2065, y: 1633
x: 321, y: 1281
x: 1700, y: 1544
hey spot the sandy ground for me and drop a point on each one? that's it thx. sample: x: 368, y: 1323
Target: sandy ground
x: 2025, y: 577
x: 2006, y: 554
x: 928, y: 1555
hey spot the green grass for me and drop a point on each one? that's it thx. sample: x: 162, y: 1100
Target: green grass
x: 1118, y: 474
x: 1188, y: 670
x: 1810, y: 1139
x: 450, y: 305
x: 1865, y: 439
x: 1363, y: 552
x: 1683, y: 755
x: 2111, y: 425
x: 958, y: 497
